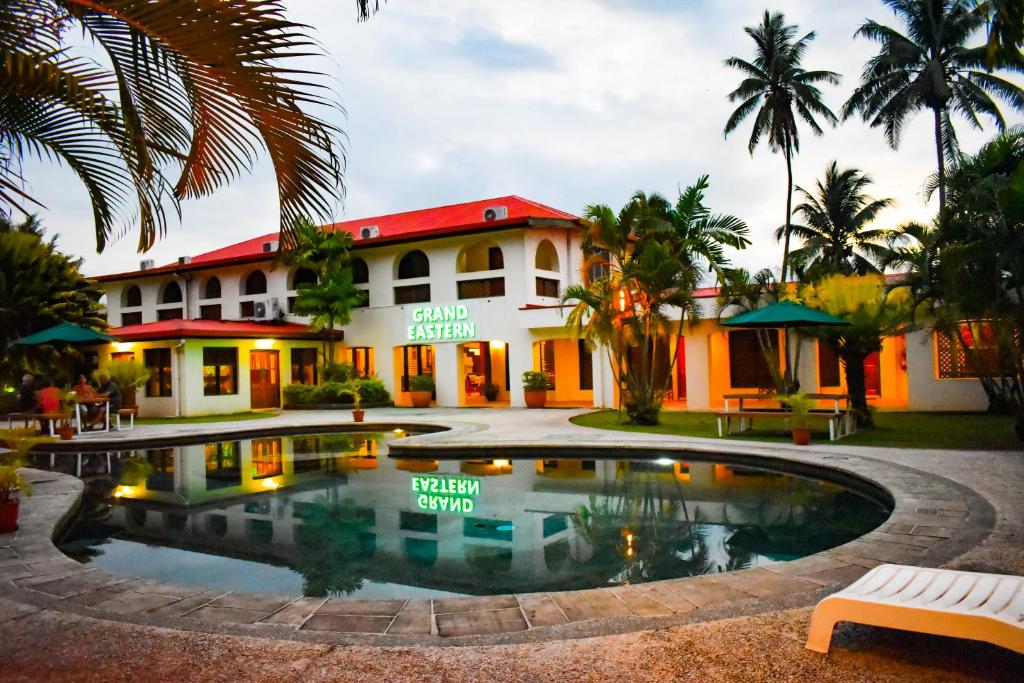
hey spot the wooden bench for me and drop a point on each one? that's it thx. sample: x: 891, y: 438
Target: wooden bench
x: 130, y: 413
x: 28, y: 418
x: 746, y: 419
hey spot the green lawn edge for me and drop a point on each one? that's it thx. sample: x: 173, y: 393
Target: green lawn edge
x: 203, y: 419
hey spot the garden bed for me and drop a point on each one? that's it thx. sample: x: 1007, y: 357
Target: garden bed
x: 365, y: 405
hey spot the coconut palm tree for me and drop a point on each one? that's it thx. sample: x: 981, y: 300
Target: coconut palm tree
x: 328, y: 303
x: 1005, y: 20
x: 185, y: 95
x: 777, y: 87
x: 836, y: 235
x: 929, y: 66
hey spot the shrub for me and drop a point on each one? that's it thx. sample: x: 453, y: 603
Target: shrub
x: 299, y: 394
x: 372, y: 390
x: 490, y: 391
x: 535, y: 381
x: 337, y: 372
x: 126, y: 374
x: 421, y: 383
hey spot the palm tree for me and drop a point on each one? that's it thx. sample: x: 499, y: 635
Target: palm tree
x: 1005, y: 20
x: 930, y: 67
x: 316, y: 248
x: 193, y: 91
x: 328, y: 303
x: 780, y: 90
x: 836, y: 237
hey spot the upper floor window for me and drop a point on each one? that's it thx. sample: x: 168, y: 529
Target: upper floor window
x: 547, y: 257
x: 171, y: 293
x: 414, y: 264
x: 211, y: 290
x: 480, y: 256
x: 131, y: 297
x: 303, y: 276
x: 255, y: 283
x: 360, y: 272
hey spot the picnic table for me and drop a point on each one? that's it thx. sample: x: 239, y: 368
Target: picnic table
x: 86, y: 401
x: 845, y: 425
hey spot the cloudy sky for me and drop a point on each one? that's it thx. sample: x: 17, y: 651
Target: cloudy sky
x: 567, y: 103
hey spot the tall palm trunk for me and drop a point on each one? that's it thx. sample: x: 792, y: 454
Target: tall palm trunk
x: 789, y: 206
x: 941, y: 159
x: 856, y: 385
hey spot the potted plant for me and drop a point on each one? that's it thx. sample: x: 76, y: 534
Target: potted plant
x: 357, y: 412
x: 128, y: 376
x: 422, y: 389
x: 490, y: 391
x: 800, y: 406
x: 11, y: 483
x: 535, y: 388
x: 67, y: 407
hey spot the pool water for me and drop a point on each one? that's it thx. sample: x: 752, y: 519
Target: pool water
x: 332, y: 514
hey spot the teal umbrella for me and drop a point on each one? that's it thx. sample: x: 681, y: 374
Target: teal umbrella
x: 785, y: 314
x: 68, y: 333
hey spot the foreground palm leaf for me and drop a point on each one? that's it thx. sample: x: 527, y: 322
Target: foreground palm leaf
x: 195, y: 90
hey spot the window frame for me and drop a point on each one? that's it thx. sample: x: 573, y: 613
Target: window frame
x: 160, y: 383
x: 218, y: 366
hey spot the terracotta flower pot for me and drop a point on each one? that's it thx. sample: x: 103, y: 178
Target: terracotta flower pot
x: 66, y: 432
x: 358, y: 414
x: 535, y: 398
x: 9, y: 516
x: 801, y: 436
x: 421, y: 399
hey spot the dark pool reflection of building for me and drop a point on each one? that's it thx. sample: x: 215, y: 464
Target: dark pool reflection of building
x: 527, y: 525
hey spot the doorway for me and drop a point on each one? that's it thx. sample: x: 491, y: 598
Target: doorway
x: 484, y: 372
x: 264, y: 379
x: 873, y: 376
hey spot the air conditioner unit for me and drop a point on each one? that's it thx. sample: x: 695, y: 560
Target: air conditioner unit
x: 146, y: 264
x: 369, y: 232
x: 268, y: 309
x: 184, y: 260
x: 495, y: 213
x: 270, y: 246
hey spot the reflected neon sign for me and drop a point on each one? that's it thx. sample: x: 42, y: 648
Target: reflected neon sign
x: 441, y: 323
x: 445, y: 494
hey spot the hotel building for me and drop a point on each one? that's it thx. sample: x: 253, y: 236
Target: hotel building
x: 468, y: 293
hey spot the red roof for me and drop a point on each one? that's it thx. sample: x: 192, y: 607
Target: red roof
x: 439, y: 221
x: 211, y: 329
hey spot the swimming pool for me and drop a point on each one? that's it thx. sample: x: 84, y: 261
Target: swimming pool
x: 332, y: 514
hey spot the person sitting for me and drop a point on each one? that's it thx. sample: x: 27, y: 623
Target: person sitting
x: 108, y: 388
x: 27, y: 394
x: 48, y: 399
x: 84, y: 390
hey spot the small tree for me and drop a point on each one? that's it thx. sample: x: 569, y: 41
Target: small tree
x: 329, y: 303
x: 873, y: 311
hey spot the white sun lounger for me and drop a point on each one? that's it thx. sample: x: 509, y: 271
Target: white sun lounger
x: 986, y: 607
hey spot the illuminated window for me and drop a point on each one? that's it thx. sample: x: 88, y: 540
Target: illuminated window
x: 416, y: 360
x: 304, y: 366
x: 976, y: 355
x: 361, y: 358
x: 121, y: 356
x: 158, y: 362
x: 220, y: 371
x: 547, y: 361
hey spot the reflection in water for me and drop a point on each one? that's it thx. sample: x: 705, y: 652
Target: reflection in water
x: 332, y: 515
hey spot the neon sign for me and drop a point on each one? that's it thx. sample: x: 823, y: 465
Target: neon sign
x: 441, y: 323
x: 445, y: 494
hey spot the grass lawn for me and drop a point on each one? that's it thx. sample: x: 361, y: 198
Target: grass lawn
x: 900, y: 430
x: 199, y: 419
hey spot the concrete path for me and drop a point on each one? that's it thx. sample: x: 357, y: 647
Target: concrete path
x: 954, y: 508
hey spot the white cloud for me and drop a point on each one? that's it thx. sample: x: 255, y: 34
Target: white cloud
x: 569, y: 103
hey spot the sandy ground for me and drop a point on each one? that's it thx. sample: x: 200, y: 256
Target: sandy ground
x: 762, y: 648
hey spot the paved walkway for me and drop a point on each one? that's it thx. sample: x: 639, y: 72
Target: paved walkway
x: 953, y: 508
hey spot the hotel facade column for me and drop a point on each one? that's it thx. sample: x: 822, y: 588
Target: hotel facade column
x: 520, y: 359
x: 698, y: 391
x: 447, y: 374
x: 604, y: 378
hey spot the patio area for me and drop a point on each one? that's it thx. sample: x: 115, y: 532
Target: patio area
x: 954, y: 508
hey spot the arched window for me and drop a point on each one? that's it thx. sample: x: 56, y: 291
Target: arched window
x: 547, y: 257
x: 212, y: 288
x: 255, y: 283
x: 480, y: 256
x: 131, y: 297
x: 303, y: 276
x: 171, y: 294
x: 413, y: 264
x: 360, y: 272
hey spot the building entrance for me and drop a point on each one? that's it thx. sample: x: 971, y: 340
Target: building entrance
x: 264, y: 379
x: 484, y: 373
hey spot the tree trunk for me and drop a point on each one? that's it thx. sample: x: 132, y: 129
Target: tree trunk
x: 789, y: 208
x: 853, y: 363
x: 941, y: 159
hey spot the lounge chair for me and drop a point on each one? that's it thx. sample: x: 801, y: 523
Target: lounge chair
x: 986, y: 607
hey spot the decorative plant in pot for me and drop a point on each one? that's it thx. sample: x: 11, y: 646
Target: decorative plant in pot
x: 800, y: 406
x: 128, y: 376
x: 535, y: 388
x: 422, y: 389
x: 67, y: 408
x: 357, y: 412
x: 12, y: 484
x: 490, y: 391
